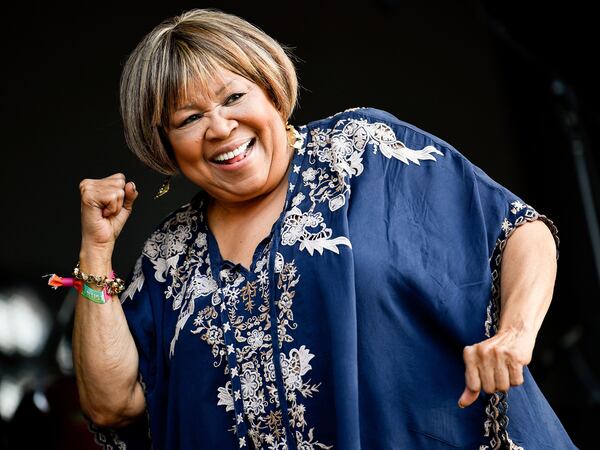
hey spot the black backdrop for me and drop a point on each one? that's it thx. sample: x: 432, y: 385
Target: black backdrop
x: 472, y: 72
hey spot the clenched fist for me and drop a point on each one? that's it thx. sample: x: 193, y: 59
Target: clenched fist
x: 495, y: 364
x: 105, y: 207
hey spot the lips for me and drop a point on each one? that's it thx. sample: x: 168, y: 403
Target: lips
x: 236, y: 154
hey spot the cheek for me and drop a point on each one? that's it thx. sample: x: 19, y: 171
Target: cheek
x: 188, y: 149
x: 274, y: 133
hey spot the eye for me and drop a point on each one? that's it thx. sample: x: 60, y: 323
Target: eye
x: 190, y: 119
x: 233, y: 98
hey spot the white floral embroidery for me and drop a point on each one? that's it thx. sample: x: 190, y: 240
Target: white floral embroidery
x: 178, y: 252
x: 168, y: 251
x: 309, y: 444
x: 343, y: 151
x: 225, y: 397
x: 506, y: 226
x: 247, y: 306
x: 517, y: 206
x: 136, y: 283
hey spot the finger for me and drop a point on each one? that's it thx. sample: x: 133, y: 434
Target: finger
x: 488, y: 382
x: 117, y: 182
x: 473, y: 386
x: 468, y: 397
x: 472, y: 380
x: 116, y: 176
x: 131, y: 194
x: 113, y: 202
x: 501, y: 378
x: 515, y: 373
x: 92, y: 187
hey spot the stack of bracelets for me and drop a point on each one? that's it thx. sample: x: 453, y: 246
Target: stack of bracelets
x: 83, y: 282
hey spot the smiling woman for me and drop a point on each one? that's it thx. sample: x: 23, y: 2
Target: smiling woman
x: 233, y: 144
x: 172, y: 64
x: 335, y: 285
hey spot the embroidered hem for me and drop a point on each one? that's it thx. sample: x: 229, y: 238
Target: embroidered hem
x: 496, y: 424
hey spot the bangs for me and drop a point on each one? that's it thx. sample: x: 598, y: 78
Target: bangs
x: 189, y: 66
x: 183, y: 75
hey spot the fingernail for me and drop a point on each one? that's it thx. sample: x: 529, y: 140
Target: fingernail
x: 133, y: 185
x: 460, y: 405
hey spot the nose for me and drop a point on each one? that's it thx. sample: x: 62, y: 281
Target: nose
x: 220, y: 125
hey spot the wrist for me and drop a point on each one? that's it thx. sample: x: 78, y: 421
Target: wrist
x: 519, y: 330
x: 95, y: 262
x: 97, y: 248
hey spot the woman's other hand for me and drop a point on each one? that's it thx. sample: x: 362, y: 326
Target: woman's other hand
x: 105, y: 207
x: 527, y: 280
x: 495, y: 364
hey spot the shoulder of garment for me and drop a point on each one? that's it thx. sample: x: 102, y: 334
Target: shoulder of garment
x: 337, y: 121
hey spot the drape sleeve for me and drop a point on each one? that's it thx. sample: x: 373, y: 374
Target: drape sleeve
x: 443, y: 221
x: 504, y: 212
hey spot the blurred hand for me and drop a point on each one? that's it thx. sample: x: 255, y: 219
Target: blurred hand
x: 105, y: 207
x: 495, y: 364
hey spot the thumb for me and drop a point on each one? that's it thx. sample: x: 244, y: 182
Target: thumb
x: 467, y: 398
x: 131, y: 194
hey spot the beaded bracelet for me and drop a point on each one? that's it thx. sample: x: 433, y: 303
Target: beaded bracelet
x: 112, y: 286
x: 82, y: 281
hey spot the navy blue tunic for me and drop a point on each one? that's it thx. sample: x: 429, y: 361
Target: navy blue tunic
x: 347, y: 330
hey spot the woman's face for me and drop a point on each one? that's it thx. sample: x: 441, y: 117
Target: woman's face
x: 230, y: 141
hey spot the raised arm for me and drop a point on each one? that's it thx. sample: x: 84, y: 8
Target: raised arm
x: 527, y: 280
x: 104, y: 352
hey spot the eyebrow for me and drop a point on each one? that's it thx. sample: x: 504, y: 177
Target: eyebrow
x: 217, y: 93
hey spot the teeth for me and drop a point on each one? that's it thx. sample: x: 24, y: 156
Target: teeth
x: 238, y: 151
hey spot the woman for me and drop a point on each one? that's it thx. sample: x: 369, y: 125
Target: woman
x: 337, y: 285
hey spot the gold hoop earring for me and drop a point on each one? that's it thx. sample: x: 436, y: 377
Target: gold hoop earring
x: 294, y: 138
x: 164, y: 188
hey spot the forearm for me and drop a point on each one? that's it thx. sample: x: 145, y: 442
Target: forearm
x: 105, y: 357
x: 527, y: 280
x: 526, y: 285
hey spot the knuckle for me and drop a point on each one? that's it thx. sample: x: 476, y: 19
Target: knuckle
x: 504, y: 354
x: 509, y: 352
x: 470, y: 352
x: 84, y: 184
x: 517, y: 357
x: 493, y: 351
x: 120, y: 178
x: 487, y: 352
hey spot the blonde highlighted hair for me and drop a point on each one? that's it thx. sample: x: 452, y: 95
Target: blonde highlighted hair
x: 185, y: 50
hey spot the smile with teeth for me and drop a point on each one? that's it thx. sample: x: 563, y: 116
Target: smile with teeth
x: 235, y: 155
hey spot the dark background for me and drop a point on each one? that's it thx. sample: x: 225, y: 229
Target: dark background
x: 475, y: 73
